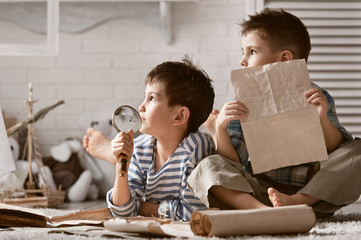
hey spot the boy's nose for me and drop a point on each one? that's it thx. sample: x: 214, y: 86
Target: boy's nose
x: 243, y: 63
x: 140, y: 108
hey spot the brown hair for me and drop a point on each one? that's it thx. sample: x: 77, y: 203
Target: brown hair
x: 186, y: 85
x: 282, y: 30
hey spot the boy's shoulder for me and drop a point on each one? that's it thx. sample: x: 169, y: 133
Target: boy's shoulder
x: 197, y: 136
x: 197, y: 141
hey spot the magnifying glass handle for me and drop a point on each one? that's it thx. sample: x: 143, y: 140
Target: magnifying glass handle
x: 122, y: 165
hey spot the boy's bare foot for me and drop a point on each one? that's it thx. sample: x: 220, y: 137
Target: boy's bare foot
x: 210, y: 123
x: 98, y: 145
x: 279, y: 199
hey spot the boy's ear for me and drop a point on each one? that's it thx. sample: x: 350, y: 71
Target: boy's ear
x: 182, y: 115
x: 286, y: 55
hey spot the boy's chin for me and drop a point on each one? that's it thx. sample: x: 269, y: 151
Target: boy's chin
x: 143, y: 130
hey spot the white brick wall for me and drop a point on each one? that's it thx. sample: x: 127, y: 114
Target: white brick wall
x: 105, y: 66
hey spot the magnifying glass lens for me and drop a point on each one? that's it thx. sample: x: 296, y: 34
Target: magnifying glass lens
x: 125, y: 118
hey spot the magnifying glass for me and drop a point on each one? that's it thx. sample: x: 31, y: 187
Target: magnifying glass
x: 124, y: 118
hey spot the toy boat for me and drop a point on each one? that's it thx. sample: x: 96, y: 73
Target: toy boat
x: 32, y: 195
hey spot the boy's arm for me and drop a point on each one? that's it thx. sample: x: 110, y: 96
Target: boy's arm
x: 333, y: 132
x: 224, y: 145
x: 136, y: 192
x: 233, y: 110
x: 333, y: 137
x: 123, y: 199
x: 123, y: 143
x: 121, y: 192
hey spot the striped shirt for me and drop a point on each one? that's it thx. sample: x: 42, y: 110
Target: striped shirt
x: 168, y: 186
x: 292, y: 175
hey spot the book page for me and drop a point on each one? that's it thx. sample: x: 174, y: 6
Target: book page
x: 281, y: 129
x: 14, y: 208
x: 147, y: 225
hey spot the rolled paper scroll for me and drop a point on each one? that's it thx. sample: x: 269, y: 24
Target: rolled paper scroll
x: 280, y: 220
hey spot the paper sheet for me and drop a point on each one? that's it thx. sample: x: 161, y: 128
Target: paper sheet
x: 281, y: 129
x: 145, y: 225
x: 6, y: 157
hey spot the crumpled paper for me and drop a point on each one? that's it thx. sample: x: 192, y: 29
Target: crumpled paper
x: 281, y: 129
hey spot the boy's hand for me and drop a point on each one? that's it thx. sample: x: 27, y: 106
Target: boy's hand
x: 123, y: 143
x: 232, y: 110
x: 317, y: 98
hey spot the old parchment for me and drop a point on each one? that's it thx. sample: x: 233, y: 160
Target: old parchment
x: 281, y: 129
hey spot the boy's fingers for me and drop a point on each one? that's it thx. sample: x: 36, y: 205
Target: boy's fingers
x: 316, y: 100
x: 241, y: 106
x: 131, y: 133
x: 310, y: 98
x: 316, y: 97
x: 244, y: 108
x: 122, y: 148
x: 122, y: 135
x: 311, y: 91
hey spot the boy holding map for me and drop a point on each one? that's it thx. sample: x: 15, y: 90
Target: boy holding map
x: 227, y: 180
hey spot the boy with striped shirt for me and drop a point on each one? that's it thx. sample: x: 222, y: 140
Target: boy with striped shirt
x: 178, y: 99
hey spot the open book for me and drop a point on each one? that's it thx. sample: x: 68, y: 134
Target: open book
x: 281, y: 220
x: 15, y: 216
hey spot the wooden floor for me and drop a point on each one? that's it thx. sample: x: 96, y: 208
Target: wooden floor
x: 101, y: 203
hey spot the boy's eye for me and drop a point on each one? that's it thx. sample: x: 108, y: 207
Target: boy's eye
x: 253, y: 52
x: 151, y: 98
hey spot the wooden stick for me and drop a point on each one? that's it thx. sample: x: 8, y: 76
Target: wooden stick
x: 38, y: 115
